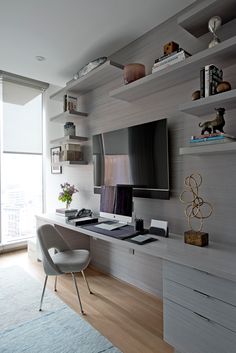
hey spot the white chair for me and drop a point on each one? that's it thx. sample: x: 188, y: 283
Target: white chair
x: 64, y: 260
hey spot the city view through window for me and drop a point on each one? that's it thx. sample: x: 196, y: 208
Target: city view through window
x: 21, y: 195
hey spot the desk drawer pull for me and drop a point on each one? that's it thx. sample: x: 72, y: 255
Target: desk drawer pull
x: 202, y: 317
x: 203, y: 294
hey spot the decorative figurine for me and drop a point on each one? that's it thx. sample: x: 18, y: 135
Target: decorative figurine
x: 170, y: 48
x: 89, y: 67
x: 223, y: 87
x: 194, y: 209
x: 196, y: 95
x: 214, y: 24
x: 216, y: 124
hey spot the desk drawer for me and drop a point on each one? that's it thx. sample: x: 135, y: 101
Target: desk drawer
x: 190, y: 333
x: 216, y: 287
x: 214, y: 309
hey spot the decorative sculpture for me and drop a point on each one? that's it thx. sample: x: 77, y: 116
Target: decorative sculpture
x: 194, y: 210
x: 196, y: 95
x: 223, y: 87
x: 89, y: 67
x: 216, y: 124
x: 214, y: 24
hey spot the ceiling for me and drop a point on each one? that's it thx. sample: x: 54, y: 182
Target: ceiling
x: 70, y: 33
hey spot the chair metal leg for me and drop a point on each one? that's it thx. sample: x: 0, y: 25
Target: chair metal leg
x: 44, y: 287
x: 85, y: 279
x: 77, y: 291
x: 55, y: 284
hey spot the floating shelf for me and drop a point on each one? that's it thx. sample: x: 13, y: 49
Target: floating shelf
x: 209, y: 149
x: 72, y: 116
x: 95, y: 78
x: 195, y: 21
x: 204, y: 106
x: 69, y: 139
x: 223, y: 54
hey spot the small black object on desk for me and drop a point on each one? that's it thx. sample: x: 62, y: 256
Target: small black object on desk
x: 138, y: 225
x: 159, y: 231
x: 142, y: 232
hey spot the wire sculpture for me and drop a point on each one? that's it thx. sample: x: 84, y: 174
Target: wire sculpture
x: 194, y: 208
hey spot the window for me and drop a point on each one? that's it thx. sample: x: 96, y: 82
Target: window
x: 21, y: 161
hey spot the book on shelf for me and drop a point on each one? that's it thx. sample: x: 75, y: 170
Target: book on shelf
x: 65, y: 212
x: 194, y: 137
x: 71, y: 147
x: 173, y: 54
x: 210, y: 142
x: 202, y: 82
x: 170, y: 60
x: 210, y: 77
x: 214, y: 138
x: 70, y: 156
x: 70, y: 103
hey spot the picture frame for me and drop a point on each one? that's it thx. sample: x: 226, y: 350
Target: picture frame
x: 55, y: 167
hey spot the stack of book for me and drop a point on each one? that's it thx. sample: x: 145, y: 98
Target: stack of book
x: 211, y: 139
x: 170, y: 59
x: 70, y: 103
x: 210, y: 77
x: 66, y: 212
x: 70, y: 152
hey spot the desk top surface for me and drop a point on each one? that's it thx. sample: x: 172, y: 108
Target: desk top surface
x: 216, y: 259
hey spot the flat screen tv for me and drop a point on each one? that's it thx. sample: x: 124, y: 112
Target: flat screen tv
x: 137, y: 156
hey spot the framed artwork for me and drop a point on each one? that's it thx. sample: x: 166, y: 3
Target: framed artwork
x: 55, y: 167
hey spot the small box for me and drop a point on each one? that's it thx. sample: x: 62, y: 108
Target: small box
x: 170, y: 47
x: 70, y: 156
x: 196, y: 238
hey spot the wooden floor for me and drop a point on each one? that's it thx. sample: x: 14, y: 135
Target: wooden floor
x: 128, y: 317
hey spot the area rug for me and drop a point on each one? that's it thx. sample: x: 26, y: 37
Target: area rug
x: 57, y: 329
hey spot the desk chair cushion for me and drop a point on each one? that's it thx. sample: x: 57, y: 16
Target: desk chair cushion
x: 71, y: 260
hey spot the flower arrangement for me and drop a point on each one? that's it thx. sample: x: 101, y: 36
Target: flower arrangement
x: 66, y: 194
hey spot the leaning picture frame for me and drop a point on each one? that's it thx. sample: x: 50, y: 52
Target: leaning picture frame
x: 55, y: 154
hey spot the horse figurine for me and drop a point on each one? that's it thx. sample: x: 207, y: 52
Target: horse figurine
x: 216, y: 124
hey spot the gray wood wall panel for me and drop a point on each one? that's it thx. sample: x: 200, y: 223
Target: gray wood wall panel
x: 137, y: 269
x: 218, y: 172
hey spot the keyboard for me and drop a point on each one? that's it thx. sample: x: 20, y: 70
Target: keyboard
x: 110, y: 226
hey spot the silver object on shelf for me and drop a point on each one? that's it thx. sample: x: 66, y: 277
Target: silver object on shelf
x: 214, y: 24
x: 89, y: 67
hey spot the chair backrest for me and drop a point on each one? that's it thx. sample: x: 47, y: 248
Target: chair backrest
x: 50, y: 238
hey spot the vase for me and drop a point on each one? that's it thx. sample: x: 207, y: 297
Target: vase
x: 133, y: 72
x: 68, y: 205
x: 69, y: 129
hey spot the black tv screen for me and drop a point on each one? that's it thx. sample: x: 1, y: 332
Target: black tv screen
x: 137, y: 156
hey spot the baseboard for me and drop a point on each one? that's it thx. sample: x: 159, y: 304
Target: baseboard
x: 13, y: 247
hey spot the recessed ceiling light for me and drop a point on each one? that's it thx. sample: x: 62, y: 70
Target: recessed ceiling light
x: 40, y: 58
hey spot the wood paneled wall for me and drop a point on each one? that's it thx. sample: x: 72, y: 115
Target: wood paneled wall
x: 218, y: 171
